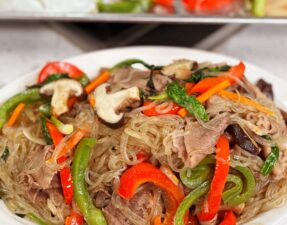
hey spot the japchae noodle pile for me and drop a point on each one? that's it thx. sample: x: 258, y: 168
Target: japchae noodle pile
x: 160, y: 145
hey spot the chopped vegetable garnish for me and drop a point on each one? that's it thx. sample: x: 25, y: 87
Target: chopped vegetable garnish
x: 67, y: 184
x: 235, y: 97
x: 74, y: 219
x: 92, y: 100
x: 270, y: 161
x: 47, y: 136
x: 249, y: 188
x: 152, y: 111
x: 229, y: 219
x: 59, y: 68
x: 72, y: 142
x: 102, y: 78
x: 142, y: 173
x: 55, y: 134
x: 25, y: 96
x: 130, y: 62
x: 63, y: 128
x: 188, y: 201
x: 15, y: 114
x: 92, y: 215
x: 212, y: 91
x: 190, y: 103
x: 218, y: 181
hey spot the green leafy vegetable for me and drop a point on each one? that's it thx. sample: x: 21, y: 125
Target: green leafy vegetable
x: 50, y: 79
x: 190, y: 103
x: 270, y: 161
x: 84, y: 80
x: 130, y: 62
x: 202, y: 73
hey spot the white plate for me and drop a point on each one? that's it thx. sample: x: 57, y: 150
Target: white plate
x: 92, y: 62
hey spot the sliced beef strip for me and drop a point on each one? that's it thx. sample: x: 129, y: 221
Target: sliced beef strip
x: 265, y: 88
x: 200, y: 141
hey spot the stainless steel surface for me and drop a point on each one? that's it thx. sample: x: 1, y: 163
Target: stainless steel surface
x: 136, y: 18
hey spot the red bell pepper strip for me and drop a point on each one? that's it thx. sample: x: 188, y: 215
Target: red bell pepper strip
x: 65, y: 173
x: 55, y: 134
x: 74, y: 219
x: 207, y: 83
x: 67, y: 184
x: 218, y: 181
x: 206, y: 5
x: 229, y: 219
x: 142, y: 173
x: 153, y: 112
x: 59, y: 68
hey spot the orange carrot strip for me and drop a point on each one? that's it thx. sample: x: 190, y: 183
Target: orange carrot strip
x: 235, y: 97
x: 92, y: 100
x: 72, y: 142
x: 182, y: 112
x: 188, y: 87
x: 157, y: 220
x: 15, y: 114
x: 103, y: 77
x: 212, y: 91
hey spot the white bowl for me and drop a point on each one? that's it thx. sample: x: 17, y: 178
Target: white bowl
x: 92, y: 62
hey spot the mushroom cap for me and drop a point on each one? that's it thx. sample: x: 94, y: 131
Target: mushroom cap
x: 181, y: 69
x: 110, y: 107
x: 61, y: 90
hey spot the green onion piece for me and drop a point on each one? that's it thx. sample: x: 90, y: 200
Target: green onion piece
x: 270, y: 161
x: 63, y: 128
x: 36, y: 219
x: 45, y: 109
x: 160, y: 97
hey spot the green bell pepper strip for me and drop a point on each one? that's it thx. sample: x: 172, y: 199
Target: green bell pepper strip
x: 161, y: 97
x: 92, y: 215
x: 190, y: 103
x: 25, y: 96
x: 270, y: 161
x: 235, y: 190
x: 188, y: 201
x: 130, y: 62
x: 249, y: 187
x: 197, y: 176
x: 258, y: 7
x: 36, y: 219
x: 47, y: 135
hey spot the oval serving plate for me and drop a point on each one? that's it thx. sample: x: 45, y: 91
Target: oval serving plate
x: 92, y: 62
